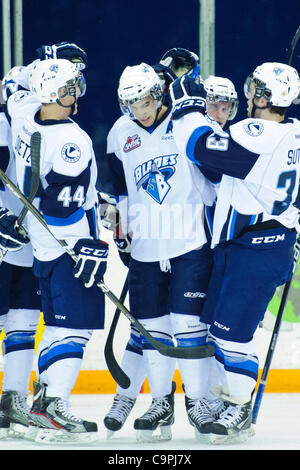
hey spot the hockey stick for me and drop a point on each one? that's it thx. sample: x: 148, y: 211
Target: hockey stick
x: 116, y: 371
x: 35, y: 147
x: 197, y: 352
x: 292, y: 46
x: 274, y: 337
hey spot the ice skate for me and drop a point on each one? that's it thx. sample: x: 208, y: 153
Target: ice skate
x: 4, y: 426
x: 16, y: 413
x: 233, y: 425
x: 117, y: 415
x: 56, y: 424
x: 201, y: 411
x: 159, y: 415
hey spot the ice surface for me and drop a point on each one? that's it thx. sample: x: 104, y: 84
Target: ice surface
x: 277, y: 428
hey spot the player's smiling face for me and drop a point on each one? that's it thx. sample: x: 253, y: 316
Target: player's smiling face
x: 145, y: 111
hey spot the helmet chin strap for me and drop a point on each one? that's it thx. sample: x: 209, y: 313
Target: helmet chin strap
x: 158, y: 111
x: 255, y: 107
x: 72, y: 106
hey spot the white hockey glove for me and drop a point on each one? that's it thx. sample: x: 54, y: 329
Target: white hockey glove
x: 188, y: 95
x: 12, y: 238
x: 92, y: 260
x: 64, y: 50
x: 110, y: 218
x: 109, y: 213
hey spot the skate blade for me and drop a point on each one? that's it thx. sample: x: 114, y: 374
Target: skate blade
x: 217, y: 439
x: 60, y: 436
x: 18, y: 431
x: 4, y: 433
x: 110, y: 434
x: 236, y: 438
x: 145, y: 436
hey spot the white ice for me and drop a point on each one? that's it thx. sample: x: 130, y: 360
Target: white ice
x: 277, y: 427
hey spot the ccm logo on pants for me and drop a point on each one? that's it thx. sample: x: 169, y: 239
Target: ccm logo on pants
x: 270, y: 239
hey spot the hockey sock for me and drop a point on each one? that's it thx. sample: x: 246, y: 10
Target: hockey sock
x: 59, y: 363
x: 239, y: 364
x: 133, y: 365
x: 159, y: 369
x: 18, y: 349
x: 189, y: 331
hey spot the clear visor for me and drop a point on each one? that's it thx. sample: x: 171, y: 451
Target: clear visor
x: 247, y: 85
x: 81, y: 82
x: 70, y: 88
x: 234, y: 103
x: 125, y: 109
x: 260, y: 88
x: 125, y: 105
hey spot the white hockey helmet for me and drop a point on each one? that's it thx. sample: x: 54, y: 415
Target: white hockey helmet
x: 278, y: 83
x: 136, y: 83
x: 222, y: 89
x: 49, y: 76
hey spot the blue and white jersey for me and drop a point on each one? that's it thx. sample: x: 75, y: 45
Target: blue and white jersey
x: 24, y: 256
x: 260, y: 163
x: 166, y: 192
x: 68, y: 174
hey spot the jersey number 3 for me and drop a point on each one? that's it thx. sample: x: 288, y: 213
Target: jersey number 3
x: 286, y: 180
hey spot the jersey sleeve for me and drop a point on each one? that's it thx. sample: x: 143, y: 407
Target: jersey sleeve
x: 5, y: 138
x: 114, y: 161
x: 216, y: 152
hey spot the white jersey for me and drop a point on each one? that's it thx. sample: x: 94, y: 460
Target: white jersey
x: 260, y: 163
x: 68, y: 173
x: 166, y: 192
x: 24, y: 256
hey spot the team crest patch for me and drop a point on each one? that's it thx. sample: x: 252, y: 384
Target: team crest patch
x: 71, y: 153
x: 132, y: 143
x: 254, y: 128
x: 20, y: 96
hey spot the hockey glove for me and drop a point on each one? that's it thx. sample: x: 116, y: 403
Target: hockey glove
x: 166, y: 75
x: 109, y: 213
x: 124, y: 248
x: 64, y: 50
x: 12, y: 238
x: 187, y: 96
x: 92, y: 260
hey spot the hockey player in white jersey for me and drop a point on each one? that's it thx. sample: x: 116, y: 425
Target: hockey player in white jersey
x: 68, y: 202
x: 170, y: 257
x: 254, y: 228
x: 222, y: 106
x: 20, y: 309
x: 21, y: 302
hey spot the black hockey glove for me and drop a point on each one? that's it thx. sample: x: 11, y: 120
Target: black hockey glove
x: 165, y: 74
x: 92, y: 260
x: 64, y: 50
x: 124, y: 248
x: 187, y: 96
x: 12, y: 238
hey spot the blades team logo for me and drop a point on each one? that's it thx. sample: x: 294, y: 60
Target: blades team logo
x: 132, y: 143
x: 71, y: 153
x: 254, y: 128
x: 154, y: 174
